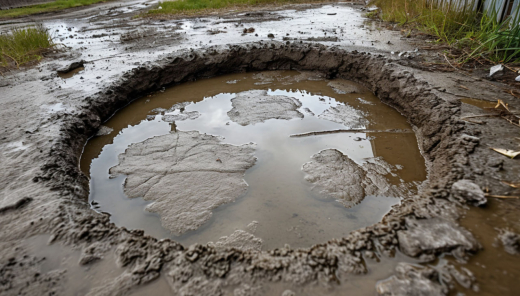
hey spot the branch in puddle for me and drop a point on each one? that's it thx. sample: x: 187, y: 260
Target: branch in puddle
x: 394, y: 131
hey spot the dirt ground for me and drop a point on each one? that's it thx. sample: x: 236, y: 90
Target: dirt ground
x: 437, y: 242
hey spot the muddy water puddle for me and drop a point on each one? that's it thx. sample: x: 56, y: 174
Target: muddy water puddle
x: 496, y: 270
x: 238, y: 123
x: 71, y: 73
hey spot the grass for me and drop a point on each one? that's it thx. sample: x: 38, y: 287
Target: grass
x: 47, y: 7
x: 21, y: 46
x: 202, y: 6
x: 475, y: 32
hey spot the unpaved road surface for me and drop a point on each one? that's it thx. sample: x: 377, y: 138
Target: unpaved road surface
x: 52, y: 242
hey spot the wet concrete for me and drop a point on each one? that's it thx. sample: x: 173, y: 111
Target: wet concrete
x: 277, y: 193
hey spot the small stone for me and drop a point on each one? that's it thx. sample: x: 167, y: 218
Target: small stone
x: 288, y: 293
x: 411, y: 280
x: 270, y: 35
x: 518, y: 78
x: 510, y: 241
x: 467, y: 190
x: 433, y: 236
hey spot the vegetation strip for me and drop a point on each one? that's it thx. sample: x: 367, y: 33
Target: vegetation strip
x: 468, y: 26
x: 21, y: 46
x: 47, y: 7
x: 204, y: 6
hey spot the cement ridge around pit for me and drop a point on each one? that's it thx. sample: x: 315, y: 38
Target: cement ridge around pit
x: 57, y: 189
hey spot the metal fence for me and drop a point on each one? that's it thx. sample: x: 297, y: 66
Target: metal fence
x: 504, y: 9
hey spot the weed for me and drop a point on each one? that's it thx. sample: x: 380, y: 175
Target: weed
x: 198, y: 6
x: 23, y: 45
x: 474, y: 30
x: 47, y: 7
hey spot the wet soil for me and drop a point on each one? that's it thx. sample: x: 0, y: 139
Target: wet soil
x: 286, y: 209
x: 46, y: 122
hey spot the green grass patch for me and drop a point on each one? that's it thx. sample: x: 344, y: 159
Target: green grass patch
x: 21, y: 46
x: 201, y: 6
x: 47, y: 7
x: 475, y: 32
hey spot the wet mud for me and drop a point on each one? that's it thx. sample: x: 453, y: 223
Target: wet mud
x: 285, y: 103
x: 47, y: 122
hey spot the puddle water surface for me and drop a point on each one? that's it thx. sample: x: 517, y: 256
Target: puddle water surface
x: 71, y: 73
x: 278, y: 197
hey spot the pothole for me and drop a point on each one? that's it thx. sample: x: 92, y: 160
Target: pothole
x: 253, y: 161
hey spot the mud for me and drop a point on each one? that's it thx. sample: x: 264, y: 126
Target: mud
x: 256, y: 106
x: 336, y: 175
x: 412, y: 280
x: 41, y: 149
x: 159, y: 169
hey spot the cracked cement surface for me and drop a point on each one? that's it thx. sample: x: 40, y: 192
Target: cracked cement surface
x: 345, y: 115
x: 186, y: 175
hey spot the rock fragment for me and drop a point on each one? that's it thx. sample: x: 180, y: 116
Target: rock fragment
x: 411, y: 280
x: 256, y: 106
x: 469, y: 191
x: 180, y: 173
x: 428, y: 237
x: 104, y: 130
x: 336, y: 175
x: 510, y: 241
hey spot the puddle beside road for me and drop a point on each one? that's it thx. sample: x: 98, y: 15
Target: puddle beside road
x: 71, y: 73
x: 285, y: 206
x: 483, y: 104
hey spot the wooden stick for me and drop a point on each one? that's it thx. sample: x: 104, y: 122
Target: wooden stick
x: 395, y: 131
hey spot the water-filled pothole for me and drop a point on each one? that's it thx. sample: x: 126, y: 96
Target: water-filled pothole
x: 321, y: 158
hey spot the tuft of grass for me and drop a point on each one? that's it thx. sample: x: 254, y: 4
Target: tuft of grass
x: 460, y: 24
x: 24, y: 45
x: 47, y: 7
x: 201, y: 6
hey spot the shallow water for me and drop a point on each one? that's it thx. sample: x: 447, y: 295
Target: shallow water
x: 287, y: 211
x: 71, y: 73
